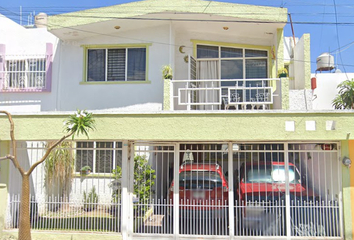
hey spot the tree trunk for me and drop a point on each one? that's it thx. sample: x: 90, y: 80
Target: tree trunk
x: 24, y: 232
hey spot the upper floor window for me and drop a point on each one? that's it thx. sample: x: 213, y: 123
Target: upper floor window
x: 25, y: 73
x: 116, y: 64
x: 231, y: 63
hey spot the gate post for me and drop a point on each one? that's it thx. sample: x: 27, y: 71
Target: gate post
x: 287, y: 191
x: 231, y: 190
x: 176, y: 192
x: 125, y: 204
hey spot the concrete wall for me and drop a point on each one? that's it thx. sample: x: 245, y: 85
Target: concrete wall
x: 302, y: 63
x: 203, y: 126
x: 20, y: 41
x: 326, y: 89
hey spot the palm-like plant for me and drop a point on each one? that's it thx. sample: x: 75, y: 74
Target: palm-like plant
x: 345, y: 96
x: 79, y: 123
x: 59, y: 168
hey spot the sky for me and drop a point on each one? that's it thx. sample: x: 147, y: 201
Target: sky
x: 329, y: 22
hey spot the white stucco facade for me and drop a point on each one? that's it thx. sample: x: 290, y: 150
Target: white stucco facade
x: 326, y: 89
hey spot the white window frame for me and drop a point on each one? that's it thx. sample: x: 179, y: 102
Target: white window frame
x: 114, y: 148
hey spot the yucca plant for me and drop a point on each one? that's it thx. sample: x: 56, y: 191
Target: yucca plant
x: 59, y: 169
x: 345, y: 96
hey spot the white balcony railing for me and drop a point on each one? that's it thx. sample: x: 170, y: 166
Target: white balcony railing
x: 23, y: 73
x: 217, y: 94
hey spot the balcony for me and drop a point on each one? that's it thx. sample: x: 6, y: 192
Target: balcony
x: 224, y: 94
x: 25, y: 73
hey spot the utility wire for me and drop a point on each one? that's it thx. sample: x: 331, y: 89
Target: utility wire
x: 339, y: 51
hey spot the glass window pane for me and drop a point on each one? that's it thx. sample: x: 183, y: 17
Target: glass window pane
x: 255, y: 53
x: 136, y: 64
x: 256, y: 68
x: 104, y: 158
x: 207, y: 51
x: 84, y: 157
x: 96, y: 64
x: 231, y: 52
x: 116, y: 65
x: 231, y: 69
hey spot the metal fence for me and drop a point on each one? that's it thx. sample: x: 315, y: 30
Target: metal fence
x: 247, y: 190
x: 68, y: 214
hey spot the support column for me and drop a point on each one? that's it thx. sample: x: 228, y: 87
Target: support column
x: 125, y: 218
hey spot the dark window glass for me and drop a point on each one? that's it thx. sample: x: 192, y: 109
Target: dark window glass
x: 136, y: 64
x: 255, y: 53
x: 207, y: 51
x: 104, y: 157
x: 231, y: 52
x: 116, y: 65
x: 96, y: 65
x: 84, y: 157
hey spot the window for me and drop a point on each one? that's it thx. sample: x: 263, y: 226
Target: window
x: 116, y: 64
x: 217, y: 62
x: 235, y: 63
x: 25, y: 73
x: 101, y: 157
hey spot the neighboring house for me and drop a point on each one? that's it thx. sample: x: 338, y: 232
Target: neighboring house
x: 326, y: 89
x: 225, y: 106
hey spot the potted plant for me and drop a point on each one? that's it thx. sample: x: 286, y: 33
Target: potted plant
x: 85, y: 170
x: 167, y: 72
x: 282, y: 72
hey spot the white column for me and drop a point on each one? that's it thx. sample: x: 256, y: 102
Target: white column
x: 231, y: 190
x: 176, y: 192
x: 125, y: 195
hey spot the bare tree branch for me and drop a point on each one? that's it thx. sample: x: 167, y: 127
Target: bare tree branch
x: 7, y: 157
x: 13, y: 142
x: 48, y: 152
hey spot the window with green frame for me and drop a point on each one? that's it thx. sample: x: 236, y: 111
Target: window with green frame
x: 116, y: 64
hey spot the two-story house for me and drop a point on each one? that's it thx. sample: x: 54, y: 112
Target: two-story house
x: 214, y: 151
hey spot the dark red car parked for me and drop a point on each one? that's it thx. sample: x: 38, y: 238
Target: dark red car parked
x: 203, y: 190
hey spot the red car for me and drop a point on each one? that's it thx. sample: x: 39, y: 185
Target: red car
x: 203, y: 190
x: 261, y: 189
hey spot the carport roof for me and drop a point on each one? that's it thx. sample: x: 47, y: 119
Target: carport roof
x: 140, y: 8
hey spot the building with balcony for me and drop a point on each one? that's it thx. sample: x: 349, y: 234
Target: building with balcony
x: 222, y: 148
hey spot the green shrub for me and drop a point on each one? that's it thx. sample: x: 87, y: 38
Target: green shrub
x: 90, y: 200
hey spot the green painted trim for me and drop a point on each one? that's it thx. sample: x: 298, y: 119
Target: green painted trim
x: 307, y: 60
x: 110, y: 46
x: 166, y: 94
x: 185, y: 126
x: 280, y: 49
x: 228, y: 44
x: 4, y: 165
x: 143, y: 8
x: 285, y: 93
x: 114, y: 82
x: 347, y: 189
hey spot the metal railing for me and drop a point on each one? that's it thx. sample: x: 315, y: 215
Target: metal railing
x: 216, y: 94
x: 23, y: 73
x: 67, y: 214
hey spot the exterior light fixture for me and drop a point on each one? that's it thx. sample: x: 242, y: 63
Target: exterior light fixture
x: 188, y: 156
x: 347, y: 162
x: 117, y: 27
x: 226, y: 28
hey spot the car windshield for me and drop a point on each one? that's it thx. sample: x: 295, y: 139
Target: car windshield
x: 269, y: 174
x: 199, y: 180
